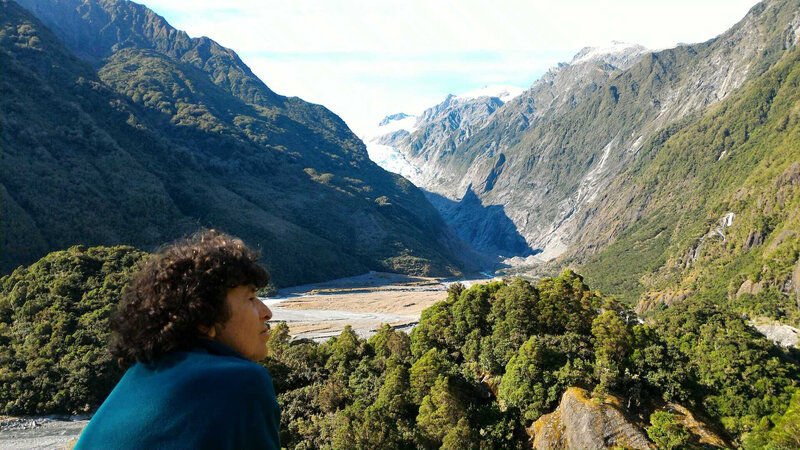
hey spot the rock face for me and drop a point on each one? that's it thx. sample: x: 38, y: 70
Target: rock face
x: 778, y: 333
x: 580, y: 422
x: 413, y: 146
x: 566, y: 140
x: 750, y: 288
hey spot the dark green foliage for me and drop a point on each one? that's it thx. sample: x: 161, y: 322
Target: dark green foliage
x: 541, y: 370
x: 732, y: 371
x: 439, y: 412
x: 666, y: 431
x: 386, y: 392
x: 165, y: 134
x: 612, y: 345
x: 786, y: 433
x: 430, y: 392
x: 462, y: 437
x: 54, y: 330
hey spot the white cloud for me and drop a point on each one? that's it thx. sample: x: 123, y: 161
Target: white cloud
x: 363, y: 59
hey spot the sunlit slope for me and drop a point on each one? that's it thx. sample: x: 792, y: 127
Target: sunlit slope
x: 712, y: 204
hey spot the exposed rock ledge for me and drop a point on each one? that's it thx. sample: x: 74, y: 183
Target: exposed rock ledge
x: 778, y: 333
x: 580, y: 422
x: 586, y: 423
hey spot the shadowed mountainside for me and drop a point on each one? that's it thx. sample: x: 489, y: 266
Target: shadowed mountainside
x: 148, y: 134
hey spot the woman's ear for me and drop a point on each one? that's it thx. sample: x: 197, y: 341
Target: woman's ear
x: 209, y: 332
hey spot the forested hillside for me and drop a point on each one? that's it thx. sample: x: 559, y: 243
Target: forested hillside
x: 712, y: 208
x: 481, y: 370
x: 147, y: 135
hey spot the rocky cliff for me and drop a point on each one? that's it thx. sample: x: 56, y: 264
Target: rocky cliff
x: 583, y: 422
x: 549, y: 157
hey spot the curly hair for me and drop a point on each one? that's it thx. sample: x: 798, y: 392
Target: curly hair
x: 177, y: 292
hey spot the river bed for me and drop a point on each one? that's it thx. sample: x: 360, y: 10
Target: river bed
x: 365, y: 302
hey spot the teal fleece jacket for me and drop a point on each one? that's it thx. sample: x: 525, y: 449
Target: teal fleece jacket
x: 210, y: 397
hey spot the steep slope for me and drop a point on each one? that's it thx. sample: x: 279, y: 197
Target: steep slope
x: 449, y: 171
x: 414, y: 145
x: 162, y: 134
x: 440, y: 129
x: 711, y: 208
x: 458, y: 149
x: 548, y: 159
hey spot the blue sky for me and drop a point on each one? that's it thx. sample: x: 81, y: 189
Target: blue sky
x: 366, y: 59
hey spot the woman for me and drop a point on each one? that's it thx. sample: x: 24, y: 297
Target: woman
x: 189, y: 327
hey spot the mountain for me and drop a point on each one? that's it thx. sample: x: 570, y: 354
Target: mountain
x: 711, y: 207
x: 118, y: 128
x: 423, y: 139
x: 412, y: 145
x: 546, y: 156
x: 558, y: 160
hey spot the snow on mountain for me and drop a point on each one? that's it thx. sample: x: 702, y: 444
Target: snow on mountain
x: 503, y: 92
x: 387, y: 156
x: 608, y: 53
x: 395, y: 122
x: 383, y: 141
x: 391, y: 159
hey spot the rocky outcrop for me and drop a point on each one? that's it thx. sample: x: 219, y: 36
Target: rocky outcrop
x: 750, y: 288
x: 654, y: 299
x: 581, y: 422
x: 701, y: 432
x: 796, y: 283
x: 754, y: 239
x: 778, y: 333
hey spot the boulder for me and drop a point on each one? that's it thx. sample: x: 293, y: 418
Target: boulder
x: 581, y: 422
x: 748, y: 287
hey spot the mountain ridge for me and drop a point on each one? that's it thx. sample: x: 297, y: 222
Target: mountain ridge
x: 563, y: 141
x: 207, y: 158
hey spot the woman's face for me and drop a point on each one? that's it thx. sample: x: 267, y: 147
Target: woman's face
x: 245, y: 330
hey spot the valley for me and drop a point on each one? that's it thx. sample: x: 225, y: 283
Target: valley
x: 614, y: 246
x: 319, y: 311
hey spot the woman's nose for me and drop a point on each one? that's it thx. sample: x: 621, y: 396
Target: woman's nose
x: 266, y: 313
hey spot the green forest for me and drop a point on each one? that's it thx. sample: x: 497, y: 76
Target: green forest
x: 477, y: 371
x: 740, y: 159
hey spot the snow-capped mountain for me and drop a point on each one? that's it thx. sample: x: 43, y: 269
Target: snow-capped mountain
x: 392, y: 143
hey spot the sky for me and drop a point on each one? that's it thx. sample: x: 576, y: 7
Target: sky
x: 365, y: 59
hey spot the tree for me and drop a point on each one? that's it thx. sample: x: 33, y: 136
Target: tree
x: 666, y: 431
x: 54, y: 330
x: 612, y: 343
x: 345, y: 351
x: 462, y: 437
x: 531, y: 382
x: 513, y: 320
x: 440, y: 411
x: 426, y: 370
x: 565, y: 305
